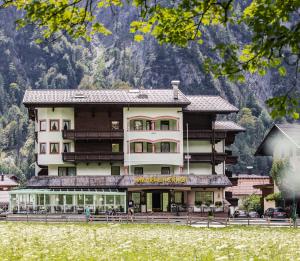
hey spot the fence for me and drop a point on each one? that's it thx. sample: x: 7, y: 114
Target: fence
x: 151, y: 219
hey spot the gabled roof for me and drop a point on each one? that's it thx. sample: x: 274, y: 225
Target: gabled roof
x: 8, y: 182
x: 203, y: 103
x: 229, y: 126
x: 291, y: 132
x: 54, y: 96
x: 192, y: 103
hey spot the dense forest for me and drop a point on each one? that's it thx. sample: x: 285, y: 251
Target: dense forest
x: 117, y: 61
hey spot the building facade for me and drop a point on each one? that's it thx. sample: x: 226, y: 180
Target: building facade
x: 102, y: 148
x: 7, y: 183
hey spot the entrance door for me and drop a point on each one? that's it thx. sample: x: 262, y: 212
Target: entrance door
x: 156, y: 201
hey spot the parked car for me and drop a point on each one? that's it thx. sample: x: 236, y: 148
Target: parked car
x: 275, y: 213
x: 240, y: 214
x: 253, y: 214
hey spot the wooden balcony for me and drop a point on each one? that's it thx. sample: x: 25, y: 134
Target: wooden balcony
x: 92, y: 135
x: 230, y: 159
x: 204, y: 135
x: 92, y: 156
x: 206, y: 157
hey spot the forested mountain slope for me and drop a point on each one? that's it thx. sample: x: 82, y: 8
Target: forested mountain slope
x: 117, y: 61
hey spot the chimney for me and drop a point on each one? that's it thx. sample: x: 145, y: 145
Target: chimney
x: 175, y: 85
x: 2, y: 177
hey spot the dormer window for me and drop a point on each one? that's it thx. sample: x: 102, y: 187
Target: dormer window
x: 54, y: 125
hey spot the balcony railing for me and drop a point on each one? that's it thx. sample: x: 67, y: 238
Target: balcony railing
x: 204, y: 134
x: 208, y: 157
x: 92, y: 156
x: 92, y: 135
x: 205, y: 157
x: 230, y: 159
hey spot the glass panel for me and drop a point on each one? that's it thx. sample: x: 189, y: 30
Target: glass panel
x: 54, y: 125
x: 148, y: 125
x: 115, y: 147
x: 165, y: 170
x: 115, y: 125
x: 69, y: 199
x: 149, y: 147
x: 60, y: 199
x: 62, y: 171
x: 138, y: 147
x: 149, y: 201
x: 67, y: 124
x: 138, y: 125
x: 54, y: 148
x: 66, y: 147
x: 80, y: 199
x: 138, y: 171
x: 110, y: 200
x: 71, y: 171
x: 165, y: 147
x: 89, y: 200
x: 115, y: 170
x: 164, y: 125
x: 178, y: 197
x: 165, y: 201
x: 203, y: 197
x: 42, y: 148
x: 47, y: 199
x: 43, y: 125
x: 136, y: 197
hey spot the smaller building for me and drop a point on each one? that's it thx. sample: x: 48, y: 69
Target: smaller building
x: 7, y: 183
x: 244, y: 185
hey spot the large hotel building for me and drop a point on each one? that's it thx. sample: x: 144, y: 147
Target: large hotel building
x: 102, y: 148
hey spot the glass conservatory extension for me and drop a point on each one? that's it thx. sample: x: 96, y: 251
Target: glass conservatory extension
x: 66, y: 201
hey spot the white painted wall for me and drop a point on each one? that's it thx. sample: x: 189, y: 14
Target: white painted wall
x: 82, y: 169
x: 203, y: 168
x: 153, y: 158
x: 154, y: 169
x: 197, y: 146
x: 48, y: 136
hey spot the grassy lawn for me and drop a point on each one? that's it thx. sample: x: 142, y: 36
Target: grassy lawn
x: 35, y: 241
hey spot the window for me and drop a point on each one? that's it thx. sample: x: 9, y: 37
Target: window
x: 54, y: 148
x: 149, y: 147
x: 69, y: 199
x: 205, y: 197
x: 54, y: 125
x: 43, y: 126
x: 115, y: 170
x: 164, y: 125
x: 148, y: 125
x: 67, y: 124
x: 138, y: 171
x: 136, y: 197
x: 138, y: 125
x: 80, y: 199
x: 165, y: 147
x: 165, y: 170
x: 89, y: 199
x: 67, y: 147
x: 115, y: 125
x: 115, y: 147
x: 66, y: 171
x: 178, y: 197
x: 138, y: 147
x: 43, y: 148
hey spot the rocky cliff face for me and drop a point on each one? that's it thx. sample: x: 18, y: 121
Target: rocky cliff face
x: 115, y: 61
